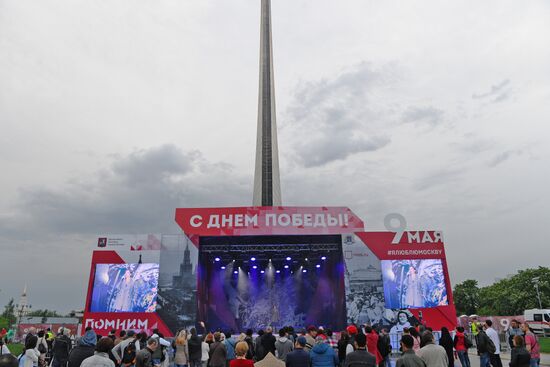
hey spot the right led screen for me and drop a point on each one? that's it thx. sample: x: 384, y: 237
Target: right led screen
x: 414, y: 283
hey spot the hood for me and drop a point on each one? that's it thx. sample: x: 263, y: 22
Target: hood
x: 320, y: 348
x: 283, y: 339
x: 231, y: 341
x: 89, y: 338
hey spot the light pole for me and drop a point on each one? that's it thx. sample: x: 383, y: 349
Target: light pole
x: 536, y: 281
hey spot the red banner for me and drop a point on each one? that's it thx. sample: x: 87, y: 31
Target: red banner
x: 267, y: 220
x: 103, y: 322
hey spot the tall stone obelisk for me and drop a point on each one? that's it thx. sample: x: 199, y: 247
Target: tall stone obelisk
x: 267, y: 183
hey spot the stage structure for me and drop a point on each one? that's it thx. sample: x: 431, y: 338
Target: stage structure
x: 268, y: 265
x: 236, y: 268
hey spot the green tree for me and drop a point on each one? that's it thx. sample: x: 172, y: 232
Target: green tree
x: 466, y: 297
x: 44, y: 313
x: 9, y: 312
x: 513, y: 295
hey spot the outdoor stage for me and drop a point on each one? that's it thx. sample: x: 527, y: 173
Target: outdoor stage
x: 250, y: 267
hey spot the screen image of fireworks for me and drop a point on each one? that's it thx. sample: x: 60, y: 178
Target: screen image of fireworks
x: 414, y: 283
x: 125, y: 288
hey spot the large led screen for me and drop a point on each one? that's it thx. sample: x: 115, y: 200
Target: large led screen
x: 252, y: 282
x: 125, y: 288
x: 414, y: 283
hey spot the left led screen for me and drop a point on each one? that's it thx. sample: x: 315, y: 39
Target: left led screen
x: 125, y: 288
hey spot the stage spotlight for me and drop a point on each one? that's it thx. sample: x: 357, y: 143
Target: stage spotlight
x: 307, y: 259
x: 233, y: 260
x: 288, y: 258
x: 304, y: 271
x: 254, y: 267
x: 317, y: 266
x: 223, y: 268
x: 323, y: 257
x: 236, y: 272
x: 252, y: 259
x: 217, y: 259
x: 277, y: 271
x: 286, y: 266
x: 261, y: 271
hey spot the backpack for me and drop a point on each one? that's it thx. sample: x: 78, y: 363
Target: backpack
x: 467, y: 342
x: 490, y: 346
x: 129, y: 354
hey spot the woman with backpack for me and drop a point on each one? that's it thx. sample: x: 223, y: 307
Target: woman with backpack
x: 462, y: 343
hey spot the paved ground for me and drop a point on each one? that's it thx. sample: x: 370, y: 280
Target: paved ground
x: 505, y: 357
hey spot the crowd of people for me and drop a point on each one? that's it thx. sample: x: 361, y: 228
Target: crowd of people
x: 313, y: 347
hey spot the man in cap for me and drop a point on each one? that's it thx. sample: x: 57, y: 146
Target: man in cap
x: 299, y: 357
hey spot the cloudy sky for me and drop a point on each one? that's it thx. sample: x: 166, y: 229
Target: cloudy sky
x: 113, y: 113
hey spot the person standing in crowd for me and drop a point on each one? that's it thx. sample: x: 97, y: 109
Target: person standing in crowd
x: 409, y: 357
x: 30, y: 333
x: 416, y: 338
x: 331, y: 340
x: 462, y: 344
x: 532, y: 345
x: 342, y: 344
x: 126, y: 351
x: 372, y: 343
x: 121, y: 337
x: 159, y: 354
x: 101, y: 355
x: 259, y: 353
x: 84, y: 349
x: 310, y: 337
x: 485, y: 346
x: 144, y: 358
x: 433, y: 355
x: 241, y: 349
x: 205, y: 348
x: 322, y: 355
x: 248, y: 339
x: 492, y: 333
x: 112, y: 334
x: 61, y: 348
x: 8, y: 360
x: 298, y: 357
x: 218, y: 352
x: 181, y: 355
x: 42, y: 347
x: 3, y: 347
x: 361, y: 355
x: 384, y: 347
x: 520, y: 356
x: 512, y: 331
x: 446, y: 341
x: 268, y: 341
x: 31, y: 353
x: 194, y: 348
x: 352, y: 331
x: 230, y: 344
x: 283, y: 345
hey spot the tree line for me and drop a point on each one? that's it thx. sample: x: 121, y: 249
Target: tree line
x: 506, y: 297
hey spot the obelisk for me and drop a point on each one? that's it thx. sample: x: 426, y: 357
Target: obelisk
x: 267, y: 184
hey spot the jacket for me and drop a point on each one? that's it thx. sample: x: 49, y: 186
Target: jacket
x: 459, y: 341
x: 144, y: 358
x: 79, y: 354
x: 283, y: 346
x: 268, y: 343
x: 181, y: 356
x: 194, y: 348
x: 118, y: 350
x: 61, y: 348
x: 298, y: 358
x: 434, y: 355
x: 483, y: 341
x: 322, y: 355
x: 230, y: 348
x: 372, y: 346
x: 31, y: 357
x: 520, y: 357
x: 218, y: 354
x: 410, y: 359
x: 98, y: 360
x: 360, y: 358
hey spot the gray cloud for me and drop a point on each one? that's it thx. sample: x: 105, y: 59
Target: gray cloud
x: 136, y: 193
x: 423, y: 115
x: 502, y: 157
x: 338, y: 117
x: 497, y: 93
